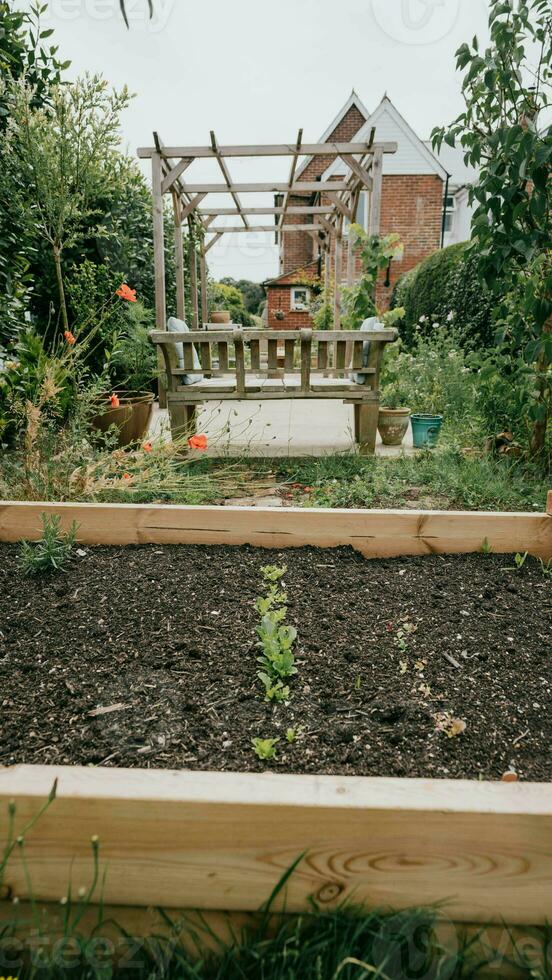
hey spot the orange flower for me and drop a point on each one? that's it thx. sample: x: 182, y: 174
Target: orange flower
x: 198, y: 442
x: 147, y: 447
x: 70, y: 338
x: 127, y: 477
x: 114, y: 401
x: 125, y: 292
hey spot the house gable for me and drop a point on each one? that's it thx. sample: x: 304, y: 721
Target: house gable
x: 413, y: 156
x: 351, y: 117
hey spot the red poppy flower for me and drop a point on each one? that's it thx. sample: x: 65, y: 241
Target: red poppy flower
x: 125, y: 292
x: 127, y: 477
x: 147, y: 447
x: 114, y: 401
x: 198, y: 442
x: 70, y: 338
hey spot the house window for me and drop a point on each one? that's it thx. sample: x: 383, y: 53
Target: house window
x: 300, y: 297
x: 362, y: 214
x: 450, y: 204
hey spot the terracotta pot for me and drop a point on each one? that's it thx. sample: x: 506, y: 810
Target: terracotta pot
x: 393, y: 425
x: 132, y: 416
x: 220, y: 316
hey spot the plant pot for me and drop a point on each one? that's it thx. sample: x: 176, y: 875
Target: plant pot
x: 220, y: 316
x: 132, y: 416
x: 393, y: 425
x: 426, y: 430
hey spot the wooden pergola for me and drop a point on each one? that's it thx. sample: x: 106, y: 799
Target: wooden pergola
x: 327, y: 204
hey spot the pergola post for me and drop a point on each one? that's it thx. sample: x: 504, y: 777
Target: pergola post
x: 158, y: 242
x: 159, y: 262
x: 375, y: 202
x: 203, y: 280
x: 192, y: 258
x: 338, y: 274
x: 179, y: 259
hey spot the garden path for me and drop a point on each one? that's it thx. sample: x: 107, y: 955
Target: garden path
x: 277, y: 428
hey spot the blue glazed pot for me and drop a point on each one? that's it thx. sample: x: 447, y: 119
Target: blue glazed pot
x: 426, y: 430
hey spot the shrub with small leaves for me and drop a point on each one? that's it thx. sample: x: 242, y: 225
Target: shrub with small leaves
x: 52, y: 551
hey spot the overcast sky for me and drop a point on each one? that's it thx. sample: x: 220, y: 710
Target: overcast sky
x: 256, y: 72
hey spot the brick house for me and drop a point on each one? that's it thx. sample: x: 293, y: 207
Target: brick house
x: 417, y: 193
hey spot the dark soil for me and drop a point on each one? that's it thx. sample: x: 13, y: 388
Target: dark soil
x: 167, y: 635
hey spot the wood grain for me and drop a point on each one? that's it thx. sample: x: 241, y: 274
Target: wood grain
x: 223, y: 840
x: 375, y: 533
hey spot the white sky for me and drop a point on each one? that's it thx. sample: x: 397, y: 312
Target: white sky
x: 256, y: 72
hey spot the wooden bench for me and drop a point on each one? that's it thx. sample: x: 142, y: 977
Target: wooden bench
x: 260, y: 365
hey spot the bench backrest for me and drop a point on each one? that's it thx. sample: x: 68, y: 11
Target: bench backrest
x: 275, y: 354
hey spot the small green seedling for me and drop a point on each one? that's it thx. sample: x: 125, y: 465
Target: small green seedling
x: 546, y: 566
x: 265, y: 748
x: 52, y: 551
x: 519, y: 562
x: 293, y: 734
x: 358, y: 683
x: 274, y: 690
x: 486, y: 547
x: 273, y: 573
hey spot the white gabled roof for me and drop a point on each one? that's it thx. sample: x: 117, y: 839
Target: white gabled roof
x: 413, y: 156
x: 353, y: 100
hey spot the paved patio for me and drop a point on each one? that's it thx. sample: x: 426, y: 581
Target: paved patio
x: 277, y: 428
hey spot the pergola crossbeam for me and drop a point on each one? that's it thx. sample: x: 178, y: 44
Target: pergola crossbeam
x: 228, y: 179
x: 271, y: 150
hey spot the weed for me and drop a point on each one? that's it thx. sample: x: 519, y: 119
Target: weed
x: 486, y: 547
x: 265, y: 748
x: 52, y: 551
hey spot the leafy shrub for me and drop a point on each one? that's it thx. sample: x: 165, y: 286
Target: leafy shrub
x: 224, y: 297
x: 444, y: 283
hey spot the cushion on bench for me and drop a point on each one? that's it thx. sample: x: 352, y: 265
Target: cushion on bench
x: 180, y: 326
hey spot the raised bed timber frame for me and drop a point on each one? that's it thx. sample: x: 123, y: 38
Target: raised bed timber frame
x: 221, y: 841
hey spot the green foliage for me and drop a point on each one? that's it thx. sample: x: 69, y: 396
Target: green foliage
x: 253, y: 293
x: 58, y: 158
x: 265, y: 748
x: 276, y: 640
x: 443, y: 288
x: 376, y: 253
x: 52, y: 552
x: 505, y: 130
x: 224, y: 297
x: 133, y: 362
x: 273, y: 573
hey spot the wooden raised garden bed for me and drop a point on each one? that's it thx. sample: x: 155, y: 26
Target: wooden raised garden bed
x: 221, y: 840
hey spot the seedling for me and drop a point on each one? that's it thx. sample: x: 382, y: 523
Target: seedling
x: 274, y: 690
x: 293, y: 734
x: 519, y: 562
x: 52, y: 551
x: 265, y: 748
x: 403, y: 634
x: 486, y: 547
x: 546, y: 567
x: 273, y: 573
x: 358, y: 682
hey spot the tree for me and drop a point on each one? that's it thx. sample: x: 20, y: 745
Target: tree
x: 505, y: 130
x: 224, y: 297
x: 252, y: 292
x: 59, y: 155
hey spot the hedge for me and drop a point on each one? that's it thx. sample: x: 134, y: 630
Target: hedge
x: 446, y: 282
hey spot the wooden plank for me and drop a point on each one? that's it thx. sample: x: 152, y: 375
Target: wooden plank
x: 358, y: 170
x: 269, y: 150
x: 374, y: 533
x: 256, y: 355
x: 549, y: 503
x: 175, y: 173
x: 273, y: 358
x: 237, y: 338
x: 262, y: 229
x: 340, y: 355
x: 225, y: 173
x: 306, y: 348
x: 222, y: 347
x: 158, y: 243
x: 293, y: 209
x: 223, y: 840
x: 188, y: 350
x: 375, y: 198
x: 192, y: 262
x: 289, y: 355
x: 322, y: 355
x: 203, y: 281
x: 178, y: 259
x: 192, y: 205
x: 212, y: 241
x: 300, y: 187
x: 358, y: 355
x: 205, y: 355
x: 157, y: 336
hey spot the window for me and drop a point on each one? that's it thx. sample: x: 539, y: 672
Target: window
x: 450, y: 204
x: 362, y: 214
x: 300, y: 297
